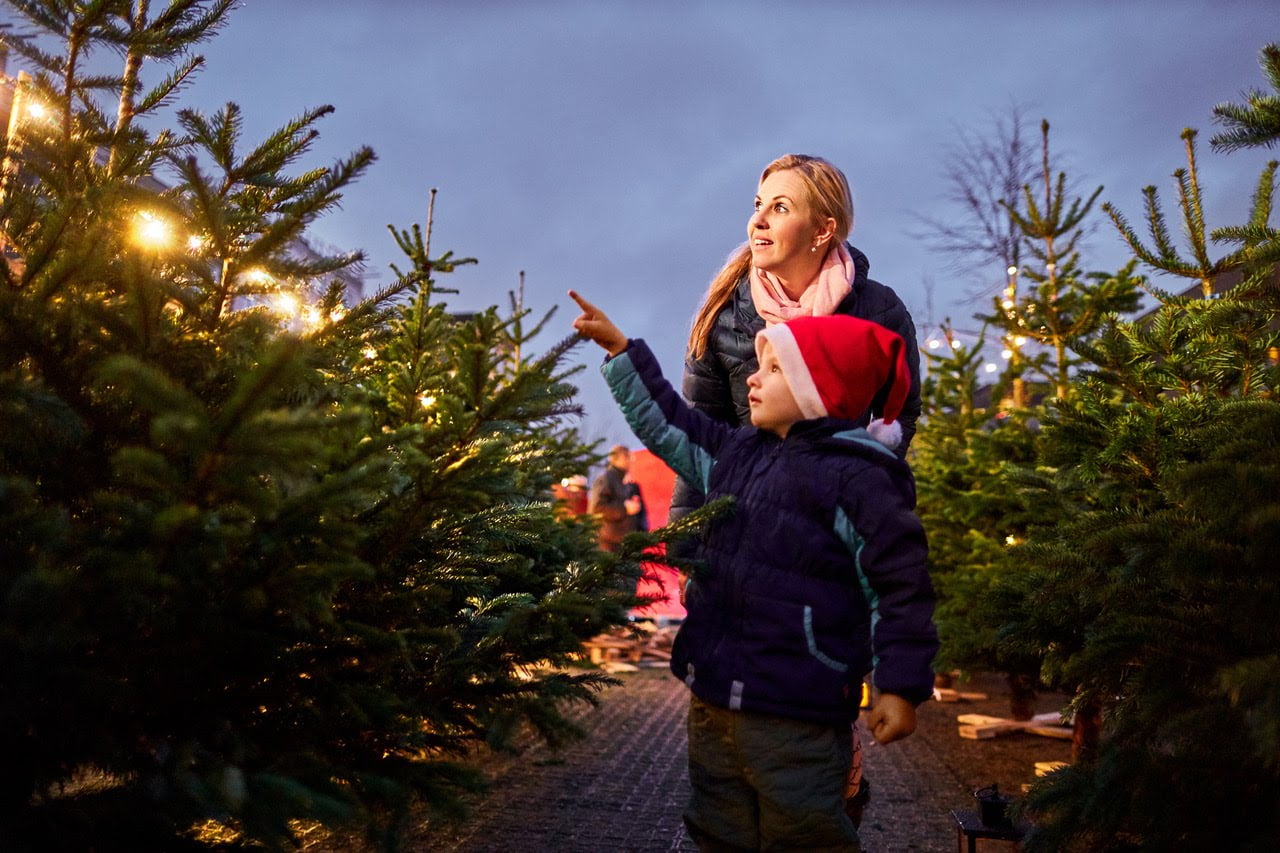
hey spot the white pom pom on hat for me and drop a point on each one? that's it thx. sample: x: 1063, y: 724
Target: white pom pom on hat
x: 836, y: 365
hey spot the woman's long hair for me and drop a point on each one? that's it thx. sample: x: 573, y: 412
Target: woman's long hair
x: 827, y: 195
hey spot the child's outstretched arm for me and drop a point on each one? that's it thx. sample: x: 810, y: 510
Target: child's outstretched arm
x: 685, y: 439
x: 593, y: 324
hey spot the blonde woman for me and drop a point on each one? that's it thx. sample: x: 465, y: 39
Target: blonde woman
x: 796, y: 262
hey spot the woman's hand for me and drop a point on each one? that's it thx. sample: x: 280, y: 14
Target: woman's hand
x: 592, y: 323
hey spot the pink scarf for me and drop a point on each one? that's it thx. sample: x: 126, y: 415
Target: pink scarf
x: 820, y: 298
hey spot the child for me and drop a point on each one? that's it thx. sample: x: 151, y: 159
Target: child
x: 814, y: 579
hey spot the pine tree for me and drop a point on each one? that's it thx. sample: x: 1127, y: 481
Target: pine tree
x: 972, y: 515
x: 1152, y: 602
x: 982, y: 489
x: 258, y: 563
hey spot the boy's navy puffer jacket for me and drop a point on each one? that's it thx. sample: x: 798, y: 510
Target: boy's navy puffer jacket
x: 818, y: 574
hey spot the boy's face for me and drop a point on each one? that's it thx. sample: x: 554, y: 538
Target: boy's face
x: 773, y: 406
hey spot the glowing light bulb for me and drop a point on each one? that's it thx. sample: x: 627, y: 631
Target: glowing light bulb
x: 1006, y: 354
x: 1012, y: 270
x: 427, y: 401
x: 150, y: 231
x: 934, y: 344
x: 287, y: 304
x: 991, y: 368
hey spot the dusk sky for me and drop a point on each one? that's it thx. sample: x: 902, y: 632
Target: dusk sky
x: 614, y: 147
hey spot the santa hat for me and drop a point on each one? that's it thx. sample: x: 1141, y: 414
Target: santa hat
x: 836, y: 365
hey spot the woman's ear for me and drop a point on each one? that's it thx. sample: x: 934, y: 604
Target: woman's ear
x: 826, y: 230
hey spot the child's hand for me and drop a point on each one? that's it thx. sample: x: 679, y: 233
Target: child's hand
x: 592, y: 323
x: 892, y: 718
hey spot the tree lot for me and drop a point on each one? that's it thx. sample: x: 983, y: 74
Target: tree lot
x: 256, y: 569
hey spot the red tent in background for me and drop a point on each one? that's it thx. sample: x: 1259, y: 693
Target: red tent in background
x: 656, y: 482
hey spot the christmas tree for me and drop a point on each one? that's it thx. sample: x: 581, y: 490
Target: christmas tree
x: 265, y: 556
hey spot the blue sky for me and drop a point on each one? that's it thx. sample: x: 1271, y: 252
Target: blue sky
x: 614, y: 147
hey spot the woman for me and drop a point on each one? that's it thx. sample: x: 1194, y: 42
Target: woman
x: 796, y: 261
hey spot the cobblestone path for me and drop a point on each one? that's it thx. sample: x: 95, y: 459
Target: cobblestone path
x: 623, y: 787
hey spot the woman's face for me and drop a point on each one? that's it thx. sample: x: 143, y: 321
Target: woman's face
x: 782, y: 232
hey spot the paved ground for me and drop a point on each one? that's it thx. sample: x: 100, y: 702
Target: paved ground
x: 623, y: 787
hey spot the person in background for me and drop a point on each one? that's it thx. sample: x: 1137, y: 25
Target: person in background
x: 796, y: 262
x: 613, y: 502
x: 815, y: 578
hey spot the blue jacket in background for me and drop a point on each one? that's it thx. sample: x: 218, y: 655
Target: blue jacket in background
x: 816, y: 577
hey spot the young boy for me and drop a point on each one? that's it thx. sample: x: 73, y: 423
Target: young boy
x: 814, y: 579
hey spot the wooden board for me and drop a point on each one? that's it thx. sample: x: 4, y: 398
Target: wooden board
x: 984, y: 726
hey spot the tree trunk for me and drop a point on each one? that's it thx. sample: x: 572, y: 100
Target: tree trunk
x: 1022, y: 696
x: 1086, y: 731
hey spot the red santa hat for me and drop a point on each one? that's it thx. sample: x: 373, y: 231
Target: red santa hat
x: 836, y: 365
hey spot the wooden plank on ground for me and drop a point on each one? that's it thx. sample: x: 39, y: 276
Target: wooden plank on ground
x: 984, y: 726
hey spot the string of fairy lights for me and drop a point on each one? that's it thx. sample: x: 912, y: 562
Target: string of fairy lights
x: 997, y: 346
x: 157, y: 233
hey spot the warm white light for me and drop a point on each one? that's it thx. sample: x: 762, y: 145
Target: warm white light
x: 1019, y: 341
x: 1006, y: 354
x: 311, y: 316
x: 150, y: 231
x: 37, y: 111
x: 370, y: 353
x: 257, y: 275
x: 1008, y: 303
x: 195, y: 243
x: 934, y: 344
x: 339, y: 311
x: 287, y: 304
x: 1011, y: 540
x: 427, y: 401
x: 991, y: 368
x: 1012, y: 270
x: 956, y: 345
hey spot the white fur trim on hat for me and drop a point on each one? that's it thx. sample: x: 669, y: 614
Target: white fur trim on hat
x: 794, y: 369
x: 888, y: 434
